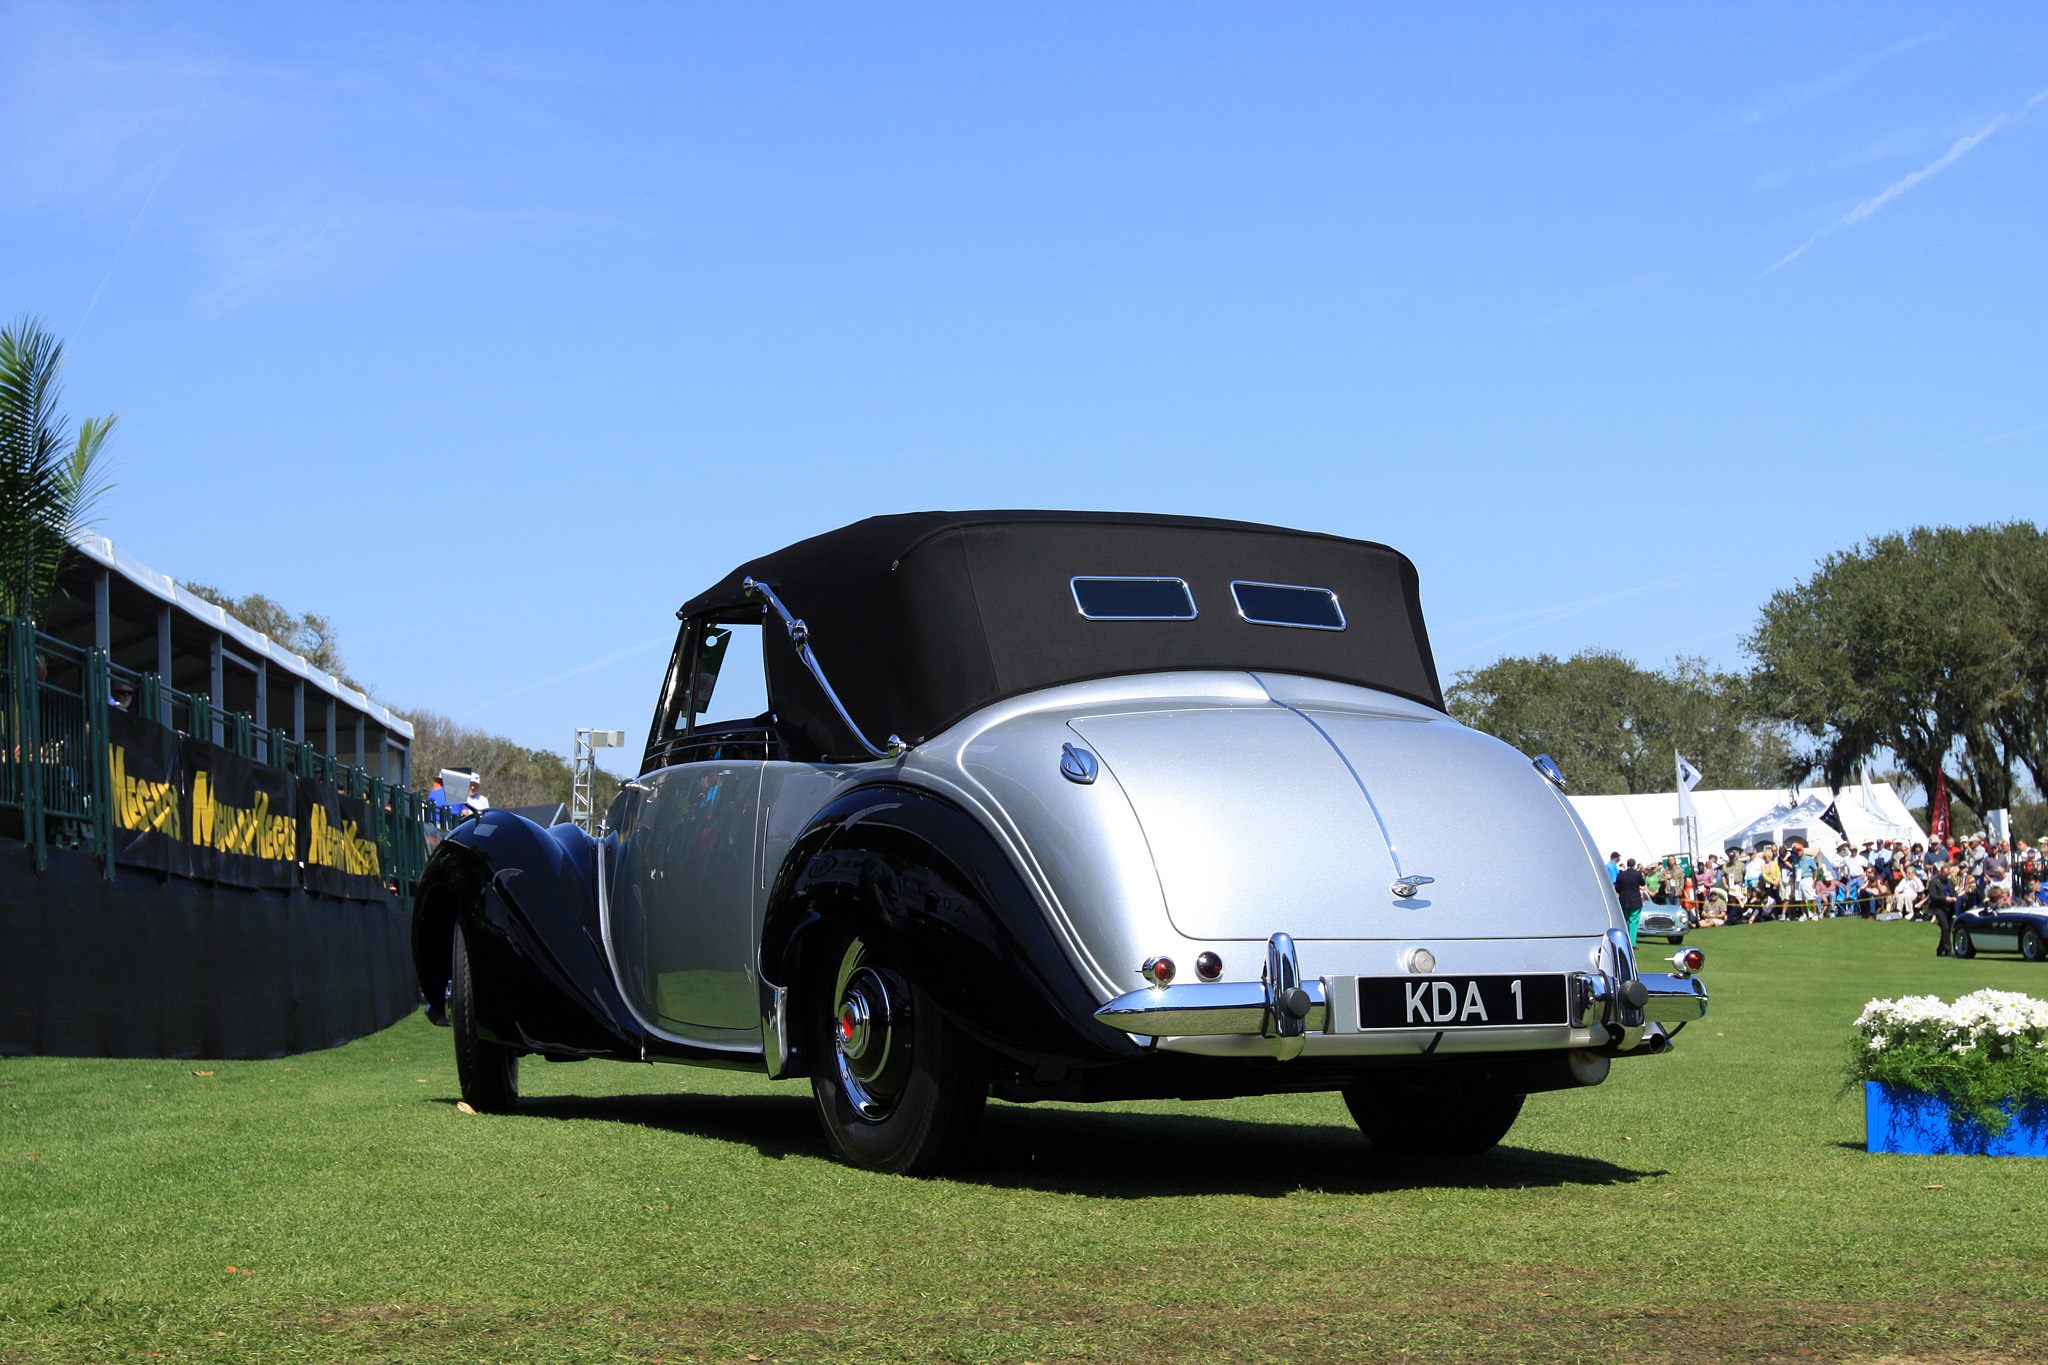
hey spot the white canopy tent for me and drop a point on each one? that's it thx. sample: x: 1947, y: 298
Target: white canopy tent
x: 1644, y: 828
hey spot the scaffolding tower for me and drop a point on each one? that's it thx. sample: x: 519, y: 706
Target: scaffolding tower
x: 583, y: 768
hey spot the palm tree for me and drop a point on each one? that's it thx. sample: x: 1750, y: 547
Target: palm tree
x: 50, y: 477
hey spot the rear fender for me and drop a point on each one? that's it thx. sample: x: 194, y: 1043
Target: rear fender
x: 920, y: 881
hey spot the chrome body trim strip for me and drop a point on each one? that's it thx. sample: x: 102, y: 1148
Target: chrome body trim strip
x: 1386, y: 835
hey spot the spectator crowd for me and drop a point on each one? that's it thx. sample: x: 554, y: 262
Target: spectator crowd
x: 1881, y: 879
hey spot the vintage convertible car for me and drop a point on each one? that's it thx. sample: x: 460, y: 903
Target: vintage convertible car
x: 1058, y: 805
x: 2021, y: 929
x: 1669, y: 922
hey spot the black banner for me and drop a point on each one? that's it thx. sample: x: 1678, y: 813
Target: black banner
x: 336, y: 843
x: 242, y: 819
x: 148, y: 793
x: 188, y: 807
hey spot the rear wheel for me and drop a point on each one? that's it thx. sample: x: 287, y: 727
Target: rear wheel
x: 899, y: 1087
x: 1961, y: 946
x: 488, y: 1072
x: 2032, y: 946
x: 1455, y: 1124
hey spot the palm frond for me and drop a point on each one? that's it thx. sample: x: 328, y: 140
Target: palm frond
x: 48, y: 478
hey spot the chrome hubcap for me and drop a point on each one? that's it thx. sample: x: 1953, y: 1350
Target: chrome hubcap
x: 870, y: 1036
x: 853, y: 1027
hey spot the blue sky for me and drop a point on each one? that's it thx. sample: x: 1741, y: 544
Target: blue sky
x: 496, y: 331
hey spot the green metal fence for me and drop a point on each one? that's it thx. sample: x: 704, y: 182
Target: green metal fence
x: 54, y: 754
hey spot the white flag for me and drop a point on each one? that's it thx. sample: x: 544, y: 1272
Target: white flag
x: 1868, y: 796
x: 1688, y: 778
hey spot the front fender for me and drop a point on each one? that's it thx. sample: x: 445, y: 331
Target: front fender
x: 526, y: 898
x: 922, y: 882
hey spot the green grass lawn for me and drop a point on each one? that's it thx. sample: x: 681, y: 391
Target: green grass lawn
x: 1711, y: 1204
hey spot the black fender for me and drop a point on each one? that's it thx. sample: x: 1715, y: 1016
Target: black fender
x: 921, y: 881
x: 527, y: 901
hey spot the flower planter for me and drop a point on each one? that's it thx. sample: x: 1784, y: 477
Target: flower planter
x: 1900, y: 1120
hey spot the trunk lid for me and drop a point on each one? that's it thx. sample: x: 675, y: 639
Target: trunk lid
x: 1269, y: 818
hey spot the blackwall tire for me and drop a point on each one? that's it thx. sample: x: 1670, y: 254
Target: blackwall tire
x: 488, y: 1072
x: 1453, y: 1124
x: 2032, y: 946
x: 899, y: 1087
x: 1960, y: 945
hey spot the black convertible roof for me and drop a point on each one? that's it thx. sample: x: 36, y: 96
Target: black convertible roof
x: 923, y: 618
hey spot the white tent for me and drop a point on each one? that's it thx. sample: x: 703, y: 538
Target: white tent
x: 1644, y: 827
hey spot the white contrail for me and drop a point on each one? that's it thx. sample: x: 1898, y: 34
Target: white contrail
x: 129, y: 240
x: 1877, y: 201
x: 1824, y: 85
x: 611, y: 658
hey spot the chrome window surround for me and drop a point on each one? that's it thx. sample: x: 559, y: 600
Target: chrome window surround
x: 1073, y: 586
x: 1330, y: 593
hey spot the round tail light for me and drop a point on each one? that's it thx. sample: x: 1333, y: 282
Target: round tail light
x: 1157, y: 970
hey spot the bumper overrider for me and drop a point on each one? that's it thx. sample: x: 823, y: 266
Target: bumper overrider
x: 1638, y: 1011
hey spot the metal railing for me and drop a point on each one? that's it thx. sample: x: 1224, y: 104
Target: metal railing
x: 54, y: 766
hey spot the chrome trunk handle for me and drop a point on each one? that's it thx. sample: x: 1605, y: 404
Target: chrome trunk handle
x: 800, y: 637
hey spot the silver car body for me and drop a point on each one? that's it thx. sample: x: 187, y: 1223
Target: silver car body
x: 1228, y: 807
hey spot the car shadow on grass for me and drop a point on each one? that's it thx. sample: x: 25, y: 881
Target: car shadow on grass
x: 1111, y: 1154
x: 776, y: 1126
x: 1123, y: 1155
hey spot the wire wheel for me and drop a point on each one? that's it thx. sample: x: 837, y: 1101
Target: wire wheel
x: 2032, y: 946
x: 1961, y: 946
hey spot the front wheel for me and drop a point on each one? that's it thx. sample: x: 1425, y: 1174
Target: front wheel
x: 1448, y: 1125
x: 2032, y: 946
x: 1961, y: 946
x: 899, y: 1087
x: 488, y: 1072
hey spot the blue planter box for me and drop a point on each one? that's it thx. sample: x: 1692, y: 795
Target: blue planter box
x: 1900, y: 1120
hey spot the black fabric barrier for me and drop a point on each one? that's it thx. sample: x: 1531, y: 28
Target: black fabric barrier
x: 149, y: 967
x: 340, y: 856
x: 242, y: 819
x: 195, y: 809
x: 147, y: 764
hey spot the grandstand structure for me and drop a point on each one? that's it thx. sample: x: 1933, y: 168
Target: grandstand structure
x: 145, y: 623
x: 208, y: 846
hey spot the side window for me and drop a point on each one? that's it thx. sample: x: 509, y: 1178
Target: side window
x: 1288, y: 604
x: 731, y: 674
x: 1133, y: 599
x: 670, y: 719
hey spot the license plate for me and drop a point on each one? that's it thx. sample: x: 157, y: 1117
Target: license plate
x: 1445, y: 1002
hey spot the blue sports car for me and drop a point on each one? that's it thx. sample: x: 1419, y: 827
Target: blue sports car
x: 2021, y: 929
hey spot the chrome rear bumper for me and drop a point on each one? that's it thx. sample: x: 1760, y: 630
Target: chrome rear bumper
x: 1282, y: 1008
x: 1203, y: 1008
x: 1673, y: 999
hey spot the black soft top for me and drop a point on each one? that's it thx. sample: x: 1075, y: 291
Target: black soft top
x: 922, y: 618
